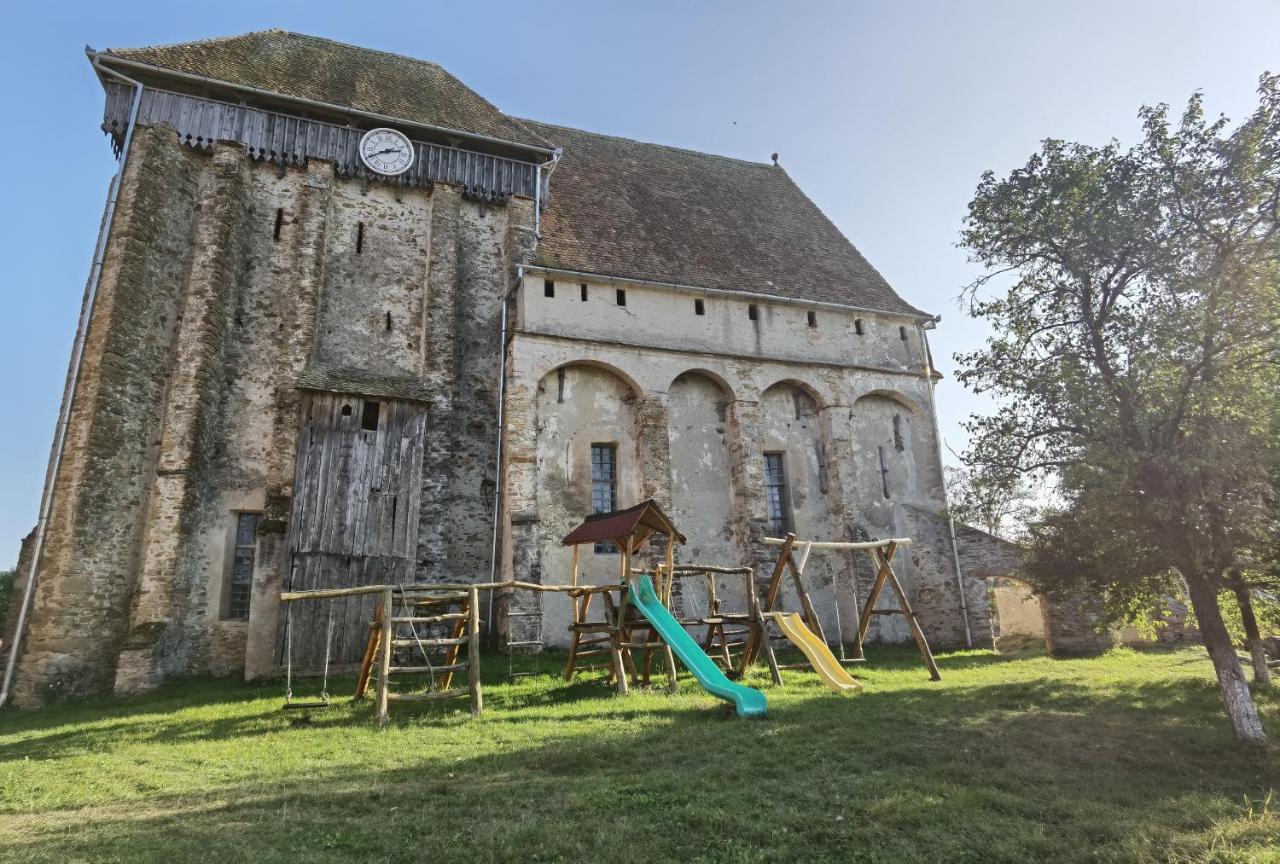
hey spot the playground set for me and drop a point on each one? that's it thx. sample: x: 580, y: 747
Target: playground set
x: 621, y: 628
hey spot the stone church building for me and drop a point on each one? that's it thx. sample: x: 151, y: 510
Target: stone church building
x: 297, y: 369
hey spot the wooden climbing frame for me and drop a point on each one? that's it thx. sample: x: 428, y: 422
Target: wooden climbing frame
x: 881, y: 552
x: 618, y: 626
x: 727, y: 632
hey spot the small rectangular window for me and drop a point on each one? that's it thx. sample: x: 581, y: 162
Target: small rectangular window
x: 813, y: 319
x: 898, y: 443
x: 775, y: 487
x: 604, y: 485
x: 369, y: 415
x: 857, y: 326
x: 622, y: 297
x: 584, y: 292
x: 240, y: 572
x: 753, y: 312
x: 359, y: 238
x: 902, y: 333
x: 548, y: 288
x: 699, y: 308
x: 275, y: 233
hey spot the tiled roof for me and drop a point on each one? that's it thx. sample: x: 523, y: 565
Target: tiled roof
x: 625, y: 208
x: 339, y: 74
x: 643, y: 518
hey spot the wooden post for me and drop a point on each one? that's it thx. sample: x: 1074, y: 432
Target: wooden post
x: 581, y: 605
x: 619, y: 615
x: 882, y: 573
x: 451, y: 654
x: 384, y: 661
x: 775, y: 583
x: 473, y: 650
x: 376, y: 629
x: 916, y: 631
x: 797, y: 575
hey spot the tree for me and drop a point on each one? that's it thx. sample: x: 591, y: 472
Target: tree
x: 999, y: 505
x: 1136, y: 353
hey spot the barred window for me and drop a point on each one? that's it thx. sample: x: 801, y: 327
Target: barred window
x: 240, y: 577
x: 775, y: 485
x: 604, y: 485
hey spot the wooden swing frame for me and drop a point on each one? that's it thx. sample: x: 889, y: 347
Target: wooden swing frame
x: 881, y: 553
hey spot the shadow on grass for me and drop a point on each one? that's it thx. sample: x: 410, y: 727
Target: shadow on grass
x: 1009, y: 771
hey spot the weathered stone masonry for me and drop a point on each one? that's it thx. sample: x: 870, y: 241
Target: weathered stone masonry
x: 276, y: 333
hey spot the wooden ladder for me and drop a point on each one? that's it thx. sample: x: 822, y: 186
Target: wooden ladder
x: 403, y: 644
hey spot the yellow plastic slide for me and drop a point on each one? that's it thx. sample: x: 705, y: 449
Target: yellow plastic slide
x: 817, y: 653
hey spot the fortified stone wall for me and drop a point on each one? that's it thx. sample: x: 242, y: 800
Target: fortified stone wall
x: 692, y: 424
x: 228, y: 285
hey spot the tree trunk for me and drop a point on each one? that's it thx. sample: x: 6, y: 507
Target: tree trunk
x: 1253, y: 638
x: 1235, y: 690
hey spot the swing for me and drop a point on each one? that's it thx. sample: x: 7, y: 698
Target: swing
x: 290, y: 704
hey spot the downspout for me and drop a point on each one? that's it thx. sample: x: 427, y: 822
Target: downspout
x: 541, y: 191
x: 73, y: 379
x: 502, y: 419
x: 951, y: 522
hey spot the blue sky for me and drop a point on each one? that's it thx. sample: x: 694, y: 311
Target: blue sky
x: 884, y: 113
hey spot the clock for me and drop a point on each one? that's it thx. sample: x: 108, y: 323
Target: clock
x: 386, y: 151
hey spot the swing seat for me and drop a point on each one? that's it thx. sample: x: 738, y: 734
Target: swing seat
x: 294, y: 705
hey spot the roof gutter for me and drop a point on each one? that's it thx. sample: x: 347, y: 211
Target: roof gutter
x: 728, y: 292
x: 73, y: 379
x: 98, y: 57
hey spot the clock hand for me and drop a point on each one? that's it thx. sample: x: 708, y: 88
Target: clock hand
x: 388, y: 150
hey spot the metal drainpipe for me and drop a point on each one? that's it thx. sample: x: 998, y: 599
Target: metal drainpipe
x: 937, y: 438
x: 497, y: 476
x: 73, y: 379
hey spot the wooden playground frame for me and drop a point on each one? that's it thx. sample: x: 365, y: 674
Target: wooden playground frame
x: 881, y: 552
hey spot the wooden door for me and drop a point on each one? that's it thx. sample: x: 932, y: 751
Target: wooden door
x: 354, y: 518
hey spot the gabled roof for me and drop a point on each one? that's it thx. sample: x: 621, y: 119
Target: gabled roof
x: 641, y: 520
x: 336, y: 73
x: 625, y: 208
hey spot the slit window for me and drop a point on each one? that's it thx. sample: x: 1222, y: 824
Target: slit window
x: 240, y: 574
x: 604, y: 485
x: 775, y: 487
x: 548, y: 288
x: 388, y: 322
x: 275, y: 232
x: 812, y: 318
x: 898, y: 443
x: 583, y: 288
x: 622, y: 297
x: 699, y: 308
x: 753, y: 312
x: 369, y: 415
x: 902, y: 333
x: 359, y: 237
x: 857, y: 326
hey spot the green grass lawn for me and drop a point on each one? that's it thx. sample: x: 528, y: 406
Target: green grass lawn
x: 1126, y: 757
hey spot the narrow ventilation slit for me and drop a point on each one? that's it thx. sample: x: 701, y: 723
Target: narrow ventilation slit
x: 857, y: 326
x: 699, y: 308
x: 560, y: 385
x: 369, y: 415
x: 275, y: 233
x: 753, y: 312
x: 584, y: 292
x: 622, y: 297
x: 548, y: 288
x: 388, y: 322
x: 813, y: 318
x: 902, y: 333
x: 359, y: 237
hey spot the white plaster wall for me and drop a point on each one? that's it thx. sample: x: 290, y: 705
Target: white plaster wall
x: 665, y: 317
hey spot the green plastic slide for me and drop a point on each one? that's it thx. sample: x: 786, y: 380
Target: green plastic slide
x: 748, y: 702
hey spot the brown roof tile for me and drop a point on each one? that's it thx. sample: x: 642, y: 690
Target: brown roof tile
x: 601, y: 527
x: 339, y: 74
x: 625, y: 208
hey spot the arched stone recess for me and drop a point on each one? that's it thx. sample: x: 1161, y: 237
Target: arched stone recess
x: 791, y: 420
x: 580, y: 407
x: 704, y: 500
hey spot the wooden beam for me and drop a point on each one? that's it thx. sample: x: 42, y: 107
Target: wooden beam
x: 473, y: 652
x: 384, y: 661
x: 830, y: 545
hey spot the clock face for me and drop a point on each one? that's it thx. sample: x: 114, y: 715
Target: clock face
x: 386, y: 151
